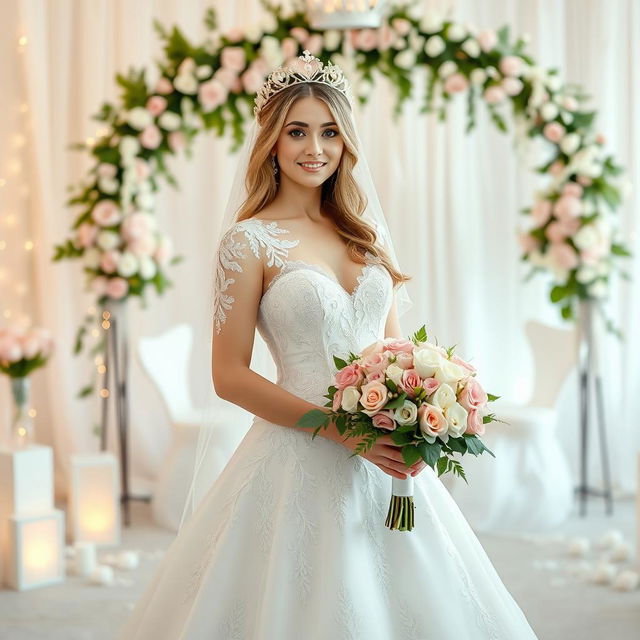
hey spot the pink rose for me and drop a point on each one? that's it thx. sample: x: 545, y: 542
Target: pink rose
x: 137, y: 225
x: 300, y: 34
x: 164, y: 250
x: 117, y: 288
x: 431, y: 421
x: 365, y: 39
x: 213, y: 93
x: 385, y: 36
x: 86, y: 235
x: 487, y: 40
x: 585, y: 181
x: 109, y: 261
x: 142, y: 169
x: 455, y: 83
x: 400, y: 345
x: 99, y: 285
x: 430, y: 385
x: 314, y: 44
x: 374, y: 397
x: 10, y: 349
x: 567, y: 207
x: 569, y: 225
x: 150, y: 137
x: 233, y: 58
x: 177, y: 141
x: 289, y: 47
x: 30, y: 345
x: 553, y: 131
x: 235, y: 34
x: 601, y: 138
x: 375, y: 375
x: 106, y: 170
x: 511, y: 66
x: 384, y: 420
x: 337, y: 400
x: 402, y: 26
x: 164, y: 86
x: 572, y: 189
x: 541, y: 212
x: 409, y: 380
x: 374, y: 347
x: 563, y: 255
x: 375, y: 362
x: 351, y: 375
x: 463, y: 363
x: 404, y: 360
x: 252, y: 80
x: 555, y: 232
x: 106, y: 213
x: 143, y: 246
x: 556, y: 168
x: 226, y: 77
x: 156, y: 105
x: 475, y: 424
x: 494, y: 94
x: 528, y: 243
x: 512, y: 86
x: 473, y: 396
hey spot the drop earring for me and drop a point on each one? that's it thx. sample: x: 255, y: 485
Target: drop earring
x: 274, y: 164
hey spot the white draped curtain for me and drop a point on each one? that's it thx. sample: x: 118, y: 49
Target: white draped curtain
x: 452, y: 201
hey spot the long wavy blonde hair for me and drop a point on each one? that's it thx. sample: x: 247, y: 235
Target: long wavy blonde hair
x: 342, y: 198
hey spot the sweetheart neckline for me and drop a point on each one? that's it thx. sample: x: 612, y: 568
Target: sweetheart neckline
x: 318, y: 269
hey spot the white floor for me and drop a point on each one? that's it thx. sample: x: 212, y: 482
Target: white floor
x: 558, y: 604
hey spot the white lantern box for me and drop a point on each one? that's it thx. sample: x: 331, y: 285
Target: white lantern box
x: 94, y: 499
x: 36, y: 550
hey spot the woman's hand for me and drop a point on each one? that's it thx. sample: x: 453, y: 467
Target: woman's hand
x: 386, y: 455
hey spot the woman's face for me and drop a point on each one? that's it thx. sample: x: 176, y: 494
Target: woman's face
x: 309, y: 146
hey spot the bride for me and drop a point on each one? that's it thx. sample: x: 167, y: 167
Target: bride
x: 290, y: 541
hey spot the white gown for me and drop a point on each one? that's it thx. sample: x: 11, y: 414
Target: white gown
x: 290, y: 542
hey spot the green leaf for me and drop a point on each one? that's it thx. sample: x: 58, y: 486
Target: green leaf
x: 442, y: 465
x: 410, y: 454
x: 339, y: 362
x: 402, y: 437
x: 312, y: 419
x: 475, y: 446
x: 619, y: 250
x: 558, y: 292
x: 420, y: 335
x: 458, y: 444
x: 492, y: 398
x: 391, y: 385
x: 430, y: 452
x: 396, y: 403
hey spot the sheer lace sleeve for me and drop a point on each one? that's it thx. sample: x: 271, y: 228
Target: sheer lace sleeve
x: 239, y: 265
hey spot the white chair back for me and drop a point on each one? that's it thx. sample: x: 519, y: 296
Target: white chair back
x: 165, y: 359
x: 554, y: 354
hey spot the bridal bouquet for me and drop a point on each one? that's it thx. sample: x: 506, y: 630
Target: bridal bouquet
x: 426, y: 397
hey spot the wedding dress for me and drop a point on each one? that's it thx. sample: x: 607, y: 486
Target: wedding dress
x: 290, y: 542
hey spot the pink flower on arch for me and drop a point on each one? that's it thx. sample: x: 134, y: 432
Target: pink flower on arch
x: 151, y: 137
x: 455, y: 83
x: 106, y: 213
x: 553, y: 131
x: 117, y: 288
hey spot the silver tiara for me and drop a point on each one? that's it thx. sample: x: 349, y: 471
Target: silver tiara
x: 306, y: 68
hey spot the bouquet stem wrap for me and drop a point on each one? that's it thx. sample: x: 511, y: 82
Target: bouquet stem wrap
x: 401, y: 508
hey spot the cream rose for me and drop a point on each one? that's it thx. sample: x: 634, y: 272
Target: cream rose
x: 406, y: 414
x: 449, y: 373
x: 394, y: 372
x: 443, y: 397
x: 374, y: 397
x: 350, y: 397
x: 456, y: 416
x: 426, y: 361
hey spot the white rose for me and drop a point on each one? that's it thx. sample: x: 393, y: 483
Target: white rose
x: 586, y: 237
x: 269, y: 23
x: 170, y: 121
x: 108, y: 185
x: 271, y: 51
x: 471, y: 47
x: 434, y: 46
x: 432, y: 21
x: 350, y: 397
x: 108, y: 240
x: 129, y: 146
x: 553, y: 82
x: 585, y: 274
x: 447, y: 68
x: 91, y: 257
x: 416, y: 42
x: 570, y: 143
x: 456, y: 32
x: 139, y: 118
x: 549, y: 111
x: 426, y: 362
x: 443, y: 397
x: 478, y: 76
x: 405, y: 59
x: 204, y: 71
x: 147, y: 268
x: 146, y: 201
x: 331, y: 39
x: 253, y: 32
x: 127, y: 264
x: 185, y: 83
x: 449, y: 373
x: 394, y: 372
x: 597, y: 289
x: 603, y: 268
x: 406, y: 414
x: 456, y: 416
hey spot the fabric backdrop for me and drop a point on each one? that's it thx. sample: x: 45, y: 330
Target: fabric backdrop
x: 462, y: 193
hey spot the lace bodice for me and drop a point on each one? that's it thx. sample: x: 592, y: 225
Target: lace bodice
x: 305, y: 316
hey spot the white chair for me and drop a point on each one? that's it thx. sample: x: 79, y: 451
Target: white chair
x: 165, y: 359
x: 528, y: 485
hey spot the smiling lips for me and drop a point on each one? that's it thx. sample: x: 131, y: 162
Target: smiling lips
x: 312, y: 166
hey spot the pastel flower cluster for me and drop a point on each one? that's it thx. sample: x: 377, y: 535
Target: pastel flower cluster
x: 23, y: 350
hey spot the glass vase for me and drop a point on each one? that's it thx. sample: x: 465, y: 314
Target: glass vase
x: 22, y: 422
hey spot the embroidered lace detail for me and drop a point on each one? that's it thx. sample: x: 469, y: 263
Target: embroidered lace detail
x: 231, y: 253
x: 232, y: 628
x: 346, y: 616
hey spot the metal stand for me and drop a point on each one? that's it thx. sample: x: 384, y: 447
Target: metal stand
x: 588, y: 377
x: 117, y: 350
